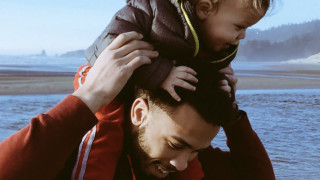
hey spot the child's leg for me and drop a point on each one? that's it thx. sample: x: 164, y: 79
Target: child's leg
x: 101, y: 147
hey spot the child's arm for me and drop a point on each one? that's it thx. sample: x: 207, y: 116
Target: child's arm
x: 182, y: 76
x: 179, y: 76
x: 229, y: 84
x: 133, y: 18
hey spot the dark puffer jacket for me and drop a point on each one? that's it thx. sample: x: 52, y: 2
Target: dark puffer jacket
x: 171, y: 26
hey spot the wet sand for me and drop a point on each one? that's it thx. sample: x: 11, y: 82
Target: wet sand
x: 26, y: 82
x: 249, y: 82
x: 286, y: 77
x: 280, y: 76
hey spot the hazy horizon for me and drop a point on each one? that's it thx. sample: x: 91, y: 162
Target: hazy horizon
x: 60, y: 26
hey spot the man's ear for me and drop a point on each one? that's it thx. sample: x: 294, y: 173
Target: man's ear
x: 204, y: 8
x: 139, y: 112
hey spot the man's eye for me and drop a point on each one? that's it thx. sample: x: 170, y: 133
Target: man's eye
x: 175, y: 146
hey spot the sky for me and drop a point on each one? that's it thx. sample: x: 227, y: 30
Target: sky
x: 58, y: 26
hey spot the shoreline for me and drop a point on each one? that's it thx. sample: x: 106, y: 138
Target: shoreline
x: 249, y: 82
x: 14, y: 82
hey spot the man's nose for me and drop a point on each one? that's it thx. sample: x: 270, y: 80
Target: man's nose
x: 181, y: 162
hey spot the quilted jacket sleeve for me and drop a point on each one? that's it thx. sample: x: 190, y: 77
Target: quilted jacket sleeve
x: 135, y: 16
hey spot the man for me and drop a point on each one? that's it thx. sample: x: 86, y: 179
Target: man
x: 164, y: 138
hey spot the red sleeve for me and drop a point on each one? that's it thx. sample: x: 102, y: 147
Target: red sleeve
x: 39, y: 150
x: 101, y: 148
x: 247, y: 158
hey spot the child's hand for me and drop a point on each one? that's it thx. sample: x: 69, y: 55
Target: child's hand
x: 179, y: 76
x: 228, y: 85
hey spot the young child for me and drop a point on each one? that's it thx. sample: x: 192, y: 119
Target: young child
x: 184, y: 32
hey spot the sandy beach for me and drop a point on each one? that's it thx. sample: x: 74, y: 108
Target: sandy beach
x: 26, y: 82
x: 280, y: 76
x: 276, y: 77
x: 245, y: 82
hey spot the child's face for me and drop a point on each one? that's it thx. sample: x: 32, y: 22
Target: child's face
x: 227, y: 25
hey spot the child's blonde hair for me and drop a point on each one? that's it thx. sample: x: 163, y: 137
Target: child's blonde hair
x: 259, y: 7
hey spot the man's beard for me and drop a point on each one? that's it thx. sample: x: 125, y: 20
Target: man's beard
x: 139, y: 149
x: 140, y: 158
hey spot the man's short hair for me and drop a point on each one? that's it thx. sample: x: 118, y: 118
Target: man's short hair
x: 214, y: 105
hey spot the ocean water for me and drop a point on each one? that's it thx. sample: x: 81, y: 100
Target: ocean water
x: 287, y: 122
